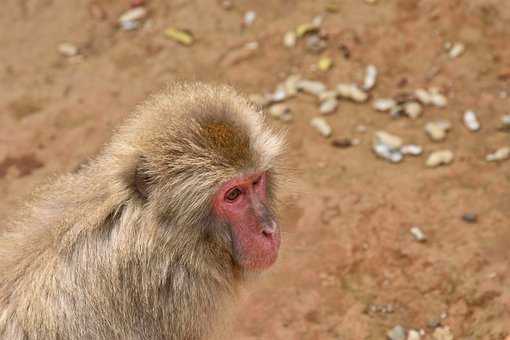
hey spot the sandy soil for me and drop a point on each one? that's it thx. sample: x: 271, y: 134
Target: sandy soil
x: 348, y: 252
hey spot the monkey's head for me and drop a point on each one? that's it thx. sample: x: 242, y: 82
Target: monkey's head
x: 206, y: 167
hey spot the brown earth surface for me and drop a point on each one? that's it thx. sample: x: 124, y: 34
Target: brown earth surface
x: 346, y: 215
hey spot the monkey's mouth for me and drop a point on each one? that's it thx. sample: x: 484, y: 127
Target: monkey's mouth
x: 259, y: 250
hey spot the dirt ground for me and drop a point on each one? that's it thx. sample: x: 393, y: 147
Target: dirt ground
x: 349, y: 267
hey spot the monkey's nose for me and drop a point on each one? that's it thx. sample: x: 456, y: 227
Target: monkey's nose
x: 269, y: 230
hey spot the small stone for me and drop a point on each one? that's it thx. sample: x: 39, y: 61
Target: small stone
x: 325, y: 63
x: 370, y: 78
x: 249, y: 18
x: 315, y: 44
x: 437, y: 130
x: 418, y: 234
x: 396, y: 333
x: 342, y: 143
x: 68, y: 49
x: 394, y: 142
x: 328, y: 106
x: 322, y: 126
x: 470, y: 217
x: 499, y: 155
x: 289, y: 39
x: 438, y: 158
x: 129, y: 25
x: 471, y: 121
x: 412, y: 109
x: 413, y: 335
x: 442, y: 333
x: 411, y: 149
x: 352, y: 91
x: 312, y: 87
x: 505, y: 123
x: 434, y: 323
x: 384, y: 104
x: 456, y: 50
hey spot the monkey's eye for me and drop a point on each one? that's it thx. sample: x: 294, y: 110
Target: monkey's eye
x: 233, y: 194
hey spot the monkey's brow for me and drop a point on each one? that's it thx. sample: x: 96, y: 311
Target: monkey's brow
x: 229, y: 141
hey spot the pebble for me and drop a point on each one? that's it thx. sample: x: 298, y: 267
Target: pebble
x: 370, y: 77
x: 471, y: 121
x: 456, y: 50
x: 321, y: 125
x: 352, y: 91
x: 290, y: 39
x: 500, y: 154
x: 470, y: 217
x: 438, y: 158
x: 315, y: 44
x: 437, y: 130
x: 384, y: 104
x: 411, y: 149
x: 434, y: 323
x: 442, y: 333
x: 129, y: 25
x: 325, y: 63
x: 418, y: 234
x: 505, y: 122
x: 342, y: 143
x: 413, y: 335
x: 328, y: 106
x: 281, y: 112
x: 68, y: 49
x: 397, y: 333
x: 312, y: 87
x: 412, y: 109
x: 249, y: 18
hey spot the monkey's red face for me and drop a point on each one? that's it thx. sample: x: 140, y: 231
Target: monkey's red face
x: 243, y: 203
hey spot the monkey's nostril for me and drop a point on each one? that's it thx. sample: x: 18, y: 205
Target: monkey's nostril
x: 269, y: 230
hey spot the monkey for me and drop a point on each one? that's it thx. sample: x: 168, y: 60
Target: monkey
x: 155, y: 236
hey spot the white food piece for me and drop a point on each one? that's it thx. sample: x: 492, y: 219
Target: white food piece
x: 413, y: 109
x: 437, y: 130
x: 370, y: 77
x: 328, y: 106
x: 418, y: 234
x: 68, y: 49
x: 133, y: 14
x: 312, y: 87
x: 437, y: 158
x: 384, y: 104
x: 322, y: 126
x: 352, y: 91
x: 471, y: 121
x: 499, y: 155
x: 383, y: 137
x: 411, y: 149
x: 456, y: 50
x: 289, y: 39
x: 249, y: 18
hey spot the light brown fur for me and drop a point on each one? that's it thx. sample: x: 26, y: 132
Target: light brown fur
x: 95, y: 257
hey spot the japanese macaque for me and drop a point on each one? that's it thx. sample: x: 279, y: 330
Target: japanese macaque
x: 153, y: 238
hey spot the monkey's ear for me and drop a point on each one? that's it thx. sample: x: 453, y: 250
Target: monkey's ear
x: 142, y: 179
